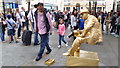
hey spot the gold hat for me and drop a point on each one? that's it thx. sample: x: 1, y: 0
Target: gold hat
x: 84, y: 11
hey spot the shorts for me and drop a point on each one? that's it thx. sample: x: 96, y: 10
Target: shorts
x: 11, y: 32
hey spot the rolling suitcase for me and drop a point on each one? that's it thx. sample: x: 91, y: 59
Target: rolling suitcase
x: 26, y: 37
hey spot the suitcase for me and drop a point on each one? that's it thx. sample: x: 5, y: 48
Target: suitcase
x: 26, y: 37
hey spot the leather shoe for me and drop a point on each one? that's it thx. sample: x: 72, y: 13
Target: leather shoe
x: 48, y: 52
x: 38, y: 58
x: 36, y: 44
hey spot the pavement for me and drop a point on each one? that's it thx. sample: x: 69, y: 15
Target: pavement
x: 19, y: 55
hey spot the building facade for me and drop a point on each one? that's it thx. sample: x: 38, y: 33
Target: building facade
x: 71, y: 4
x: 1, y: 6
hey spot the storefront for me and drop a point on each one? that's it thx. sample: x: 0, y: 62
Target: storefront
x: 118, y: 6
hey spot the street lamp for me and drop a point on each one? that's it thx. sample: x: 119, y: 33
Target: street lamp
x: 28, y: 5
x: 4, y: 8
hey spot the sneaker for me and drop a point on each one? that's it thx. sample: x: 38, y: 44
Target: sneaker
x: 16, y: 42
x: 68, y: 37
x: 116, y: 36
x: 19, y: 37
x: 3, y: 41
x: 59, y: 46
x: 48, y: 52
x: 36, y: 44
x: 66, y: 44
x: 10, y: 42
x: 112, y: 33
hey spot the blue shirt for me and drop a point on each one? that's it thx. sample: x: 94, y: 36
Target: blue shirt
x: 12, y: 22
x: 81, y: 24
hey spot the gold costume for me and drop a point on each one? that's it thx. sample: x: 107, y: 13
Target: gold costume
x: 91, y: 34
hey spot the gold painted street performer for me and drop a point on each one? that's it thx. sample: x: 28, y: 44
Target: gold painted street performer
x: 91, y: 34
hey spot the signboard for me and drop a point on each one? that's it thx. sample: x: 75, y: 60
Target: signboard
x: 13, y: 5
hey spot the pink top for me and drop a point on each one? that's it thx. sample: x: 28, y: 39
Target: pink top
x: 61, y: 29
x: 41, y: 24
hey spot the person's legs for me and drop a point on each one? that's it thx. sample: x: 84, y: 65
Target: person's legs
x: 32, y: 24
x: 59, y: 40
x: 23, y: 25
x: 102, y: 26
x: 118, y: 29
x: 27, y: 25
x: 10, y: 39
x: 14, y: 35
x: 36, y: 38
x: 72, y: 34
x: 2, y: 36
x: 113, y: 28
x: 47, y: 43
x: 77, y: 42
x: 62, y: 37
x: 10, y: 35
x: 19, y: 31
x: 107, y: 27
x: 42, y: 44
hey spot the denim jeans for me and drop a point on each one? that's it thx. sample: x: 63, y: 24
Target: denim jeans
x: 36, y: 38
x: 32, y: 25
x: 19, y: 30
x: 61, y: 38
x: 2, y: 36
x: 44, y: 43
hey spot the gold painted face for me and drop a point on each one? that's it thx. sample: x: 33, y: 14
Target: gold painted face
x: 84, y: 15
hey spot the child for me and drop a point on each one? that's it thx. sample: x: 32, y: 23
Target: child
x: 10, y: 26
x: 61, y: 32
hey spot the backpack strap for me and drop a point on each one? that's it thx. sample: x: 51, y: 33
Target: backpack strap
x: 10, y: 24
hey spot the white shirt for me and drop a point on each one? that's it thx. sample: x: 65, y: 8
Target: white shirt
x: 12, y: 22
x: 0, y: 19
x: 18, y: 17
x: 29, y: 16
x: 23, y: 15
x: 73, y: 20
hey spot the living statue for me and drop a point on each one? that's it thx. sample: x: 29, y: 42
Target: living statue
x: 91, y: 34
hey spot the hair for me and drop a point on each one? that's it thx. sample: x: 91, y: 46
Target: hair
x: 115, y: 12
x: 108, y: 14
x: 9, y: 16
x: 73, y: 12
x: 40, y: 4
x: 17, y: 10
x: 35, y: 6
x: 61, y: 19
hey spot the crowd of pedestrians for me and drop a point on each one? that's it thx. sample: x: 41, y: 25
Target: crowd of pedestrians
x: 41, y: 22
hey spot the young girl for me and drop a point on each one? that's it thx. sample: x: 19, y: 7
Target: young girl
x: 61, y: 32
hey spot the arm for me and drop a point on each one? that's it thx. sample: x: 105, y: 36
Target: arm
x: 71, y: 20
x: 88, y: 27
x: 29, y: 16
x: 50, y: 22
x: 35, y: 25
x: 63, y: 30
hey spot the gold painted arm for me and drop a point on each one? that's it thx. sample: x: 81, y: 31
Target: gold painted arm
x: 88, y: 27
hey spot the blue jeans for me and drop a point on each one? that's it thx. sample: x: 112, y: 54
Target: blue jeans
x: 3, y: 36
x: 19, y: 30
x: 44, y: 43
x: 61, y: 38
x: 36, y: 38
